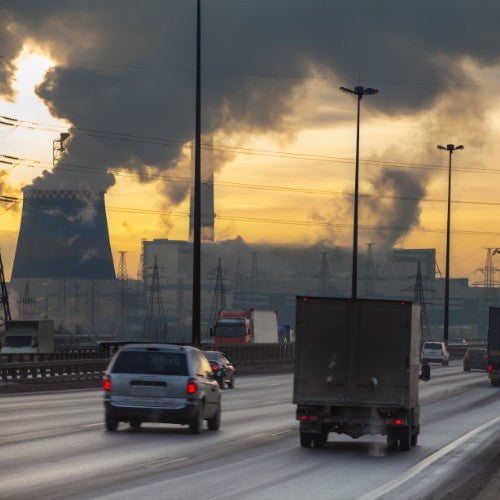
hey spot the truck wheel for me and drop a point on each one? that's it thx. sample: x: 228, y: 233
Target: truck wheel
x: 405, y: 438
x: 414, y: 439
x: 135, y: 424
x: 305, y: 440
x: 392, y: 439
x: 111, y: 423
x: 320, y: 440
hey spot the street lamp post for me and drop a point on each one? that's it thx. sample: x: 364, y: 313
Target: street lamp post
x: 359, y: 91
x: 450, y: 148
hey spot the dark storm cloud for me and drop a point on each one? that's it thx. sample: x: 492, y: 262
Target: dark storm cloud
x: 127, y: 66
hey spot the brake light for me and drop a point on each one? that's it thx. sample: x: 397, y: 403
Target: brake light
x: 466, y: 356
x: 491, y: 369
x: 308, y: 418
x: 395, y: 421
x: 215, y: 367
x: 485, y: 356
x: 106, y: 383
x: 192, y: 386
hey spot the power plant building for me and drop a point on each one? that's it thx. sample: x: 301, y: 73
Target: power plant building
x: 63, y: 235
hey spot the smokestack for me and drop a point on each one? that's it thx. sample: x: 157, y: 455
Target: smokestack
x: 63, y: 235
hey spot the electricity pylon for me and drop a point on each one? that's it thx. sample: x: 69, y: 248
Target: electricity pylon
x: 155, y: 322
x: 219, y: 301
x: 325, y: 288
x: 418, y: 297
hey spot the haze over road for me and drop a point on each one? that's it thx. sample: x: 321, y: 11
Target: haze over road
x: 54, y: 446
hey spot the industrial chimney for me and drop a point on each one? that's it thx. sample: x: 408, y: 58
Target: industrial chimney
x: 63, y: 235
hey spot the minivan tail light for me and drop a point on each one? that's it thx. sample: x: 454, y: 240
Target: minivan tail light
x: 466, y: 356
x: 192, y: 386
x: 106, y: 383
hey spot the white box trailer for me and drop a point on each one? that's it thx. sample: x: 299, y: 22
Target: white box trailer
x: 357, y: 369
x: 28, y: 337
x: 265, y: 327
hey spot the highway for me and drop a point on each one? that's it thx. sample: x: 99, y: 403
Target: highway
x: 54, y: 445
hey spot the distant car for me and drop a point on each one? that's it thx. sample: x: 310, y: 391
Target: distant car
x: 434, y: 352
x: 222, y: 367
x: 161, y: 383
x: 475, y: 358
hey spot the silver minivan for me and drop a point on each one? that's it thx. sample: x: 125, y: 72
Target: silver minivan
x: 161, y: 383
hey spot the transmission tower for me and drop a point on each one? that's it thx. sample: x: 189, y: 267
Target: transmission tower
x: 5, y: 297
x: 120, y: 310
x: 140, y: 267
x: 155, y: 322
x: 369, y: 278
x: 93, y: 310
x: 324, y: 277
x: 239, y: 282
x: 26, y: 301
x: 489, y: 291
x: 254, y: 279
x: 219, y: 301
x: 418, y: 297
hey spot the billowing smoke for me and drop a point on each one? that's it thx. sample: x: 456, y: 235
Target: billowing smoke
x: 127, y: 66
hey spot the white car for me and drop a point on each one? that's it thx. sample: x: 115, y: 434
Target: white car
x: 434, y: 351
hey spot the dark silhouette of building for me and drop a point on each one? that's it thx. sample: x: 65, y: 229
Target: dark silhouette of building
x: 63, y: 235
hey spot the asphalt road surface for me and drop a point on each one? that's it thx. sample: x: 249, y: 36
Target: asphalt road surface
x: 54, y: 445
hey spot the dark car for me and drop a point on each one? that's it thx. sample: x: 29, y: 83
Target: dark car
x: 222, y: 367
x: 161, y: 383
x: 475, y: 358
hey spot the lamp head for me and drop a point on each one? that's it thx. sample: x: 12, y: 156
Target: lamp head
x: 441, y: 147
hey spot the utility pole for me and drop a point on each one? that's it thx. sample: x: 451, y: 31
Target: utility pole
x: 450, y: 148
x: 196, y: 310
x: 358, y: 91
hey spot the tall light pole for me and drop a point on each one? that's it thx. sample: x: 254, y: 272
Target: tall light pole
x: 196, y: 310
x: 450, y: 148
x: 360, y: 92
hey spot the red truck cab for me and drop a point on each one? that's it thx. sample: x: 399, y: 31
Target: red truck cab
x: 233, y: 326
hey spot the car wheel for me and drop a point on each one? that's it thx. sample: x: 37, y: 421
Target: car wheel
x: 405, y: 438
x: 111, y: 423
x: 392, y: 439
x: 305, y: 440
x: 196, y: 424
x: 214, y: 422
x: 230, y: 383
x: 135, y: 424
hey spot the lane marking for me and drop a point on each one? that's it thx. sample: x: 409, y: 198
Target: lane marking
x: 165, y: 463
x: 88, y: 426
x: 419, y: 467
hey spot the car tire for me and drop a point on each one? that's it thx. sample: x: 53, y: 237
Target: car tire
x: 305, y: 440
x: 405, y: 438
x: 230, y: 383
x: 214, y: 422
x: 111, y: 423
x: 392, y: 439
x: 196, y: 423
x: 135, y: 424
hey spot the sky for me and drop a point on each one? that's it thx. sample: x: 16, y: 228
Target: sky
x: 119, y: 77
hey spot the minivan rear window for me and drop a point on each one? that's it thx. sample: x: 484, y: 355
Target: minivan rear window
x: 433, y: 345
x: 151, y: 363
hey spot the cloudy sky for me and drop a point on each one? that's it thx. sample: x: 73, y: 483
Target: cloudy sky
x: 119, y: 76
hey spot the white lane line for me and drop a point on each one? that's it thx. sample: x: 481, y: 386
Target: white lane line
x: 419, y: 467
x: 88, y: 426
x: 165, y: 463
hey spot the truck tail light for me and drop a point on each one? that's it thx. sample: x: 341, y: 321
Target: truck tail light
x: 192, y: 386
x: 491, y: 369
x: 308, y: 418
x: 395, y: 421
x: 106, y: 382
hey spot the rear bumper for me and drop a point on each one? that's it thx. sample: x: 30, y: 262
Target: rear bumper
x: 146, y: 414
x: 433, y: 360
x: 475, y: 365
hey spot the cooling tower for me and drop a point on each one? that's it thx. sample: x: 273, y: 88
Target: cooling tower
x: 63, y: 235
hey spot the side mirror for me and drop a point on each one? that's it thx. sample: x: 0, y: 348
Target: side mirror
x: 426, y: 373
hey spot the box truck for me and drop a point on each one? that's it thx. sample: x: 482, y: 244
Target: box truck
x: 357, y: 369
x: 245, y: 326
x: 28, y: 337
